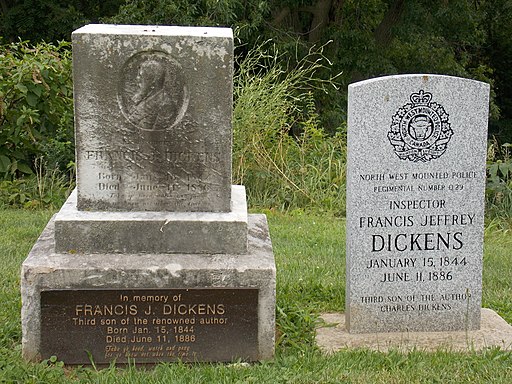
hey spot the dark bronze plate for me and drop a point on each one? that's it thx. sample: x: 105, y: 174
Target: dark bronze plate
x: 149, y: 325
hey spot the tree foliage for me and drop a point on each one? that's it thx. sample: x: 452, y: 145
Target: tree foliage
x: 288, y: 140
x: 370, y: 38
x: 245, y: 16
x: 39, y: 20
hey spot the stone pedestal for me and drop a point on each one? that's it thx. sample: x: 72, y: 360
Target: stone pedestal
x: 120, y: 306
x: 153, y: 232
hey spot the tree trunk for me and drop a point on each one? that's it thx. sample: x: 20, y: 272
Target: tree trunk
x: 279, y: 18
x: 336, y: 16
x: 320, y: 20
x: 3, y: 6
x: 382, y: 33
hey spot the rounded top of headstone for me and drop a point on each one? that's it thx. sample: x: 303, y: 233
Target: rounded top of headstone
x: 423, y: 77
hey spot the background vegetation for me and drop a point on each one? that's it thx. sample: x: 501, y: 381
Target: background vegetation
x: 295, y: 60
x: 369, y: 38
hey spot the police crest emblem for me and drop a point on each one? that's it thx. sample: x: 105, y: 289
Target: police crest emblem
x: 420, y: 130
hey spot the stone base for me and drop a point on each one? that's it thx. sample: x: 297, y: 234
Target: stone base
x: 80, y: 303
x: 152, y: 232
x: 494, y: 332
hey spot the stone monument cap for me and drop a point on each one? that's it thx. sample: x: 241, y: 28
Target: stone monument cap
x: 167, y: 30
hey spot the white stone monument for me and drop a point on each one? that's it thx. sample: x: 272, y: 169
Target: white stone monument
x: 153, y: 257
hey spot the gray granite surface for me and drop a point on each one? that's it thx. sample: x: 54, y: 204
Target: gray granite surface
x: 332, y: 336
x: 415, y: 203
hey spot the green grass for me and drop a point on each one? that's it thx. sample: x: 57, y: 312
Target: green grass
x: 497, y: 272
x: 309, y: 254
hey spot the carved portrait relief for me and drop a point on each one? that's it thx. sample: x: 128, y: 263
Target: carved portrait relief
x: 152, y: 93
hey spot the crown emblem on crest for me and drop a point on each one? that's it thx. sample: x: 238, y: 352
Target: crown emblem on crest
x: 420, y: 130
x: 421, y: 98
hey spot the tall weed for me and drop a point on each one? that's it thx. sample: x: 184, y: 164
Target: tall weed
x: 499, y: 181
x: 48, y: 190
x: 280, y: 152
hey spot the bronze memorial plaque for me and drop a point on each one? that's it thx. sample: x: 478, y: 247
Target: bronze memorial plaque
x: 149, y: 325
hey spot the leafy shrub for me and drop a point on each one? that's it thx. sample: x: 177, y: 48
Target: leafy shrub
x: 36, y: 107
x: 280, y: 152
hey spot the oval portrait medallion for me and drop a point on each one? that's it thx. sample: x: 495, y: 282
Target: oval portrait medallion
x: 152, y: 93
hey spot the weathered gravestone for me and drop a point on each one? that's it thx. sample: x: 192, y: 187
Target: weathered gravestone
x: 415, y: 203
x: 153, y: 257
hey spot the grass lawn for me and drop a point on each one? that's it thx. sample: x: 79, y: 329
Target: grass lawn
x: 309, y: 254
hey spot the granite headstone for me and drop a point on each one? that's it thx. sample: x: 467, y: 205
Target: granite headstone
x: 153, y: 118
x: 415, y: 203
